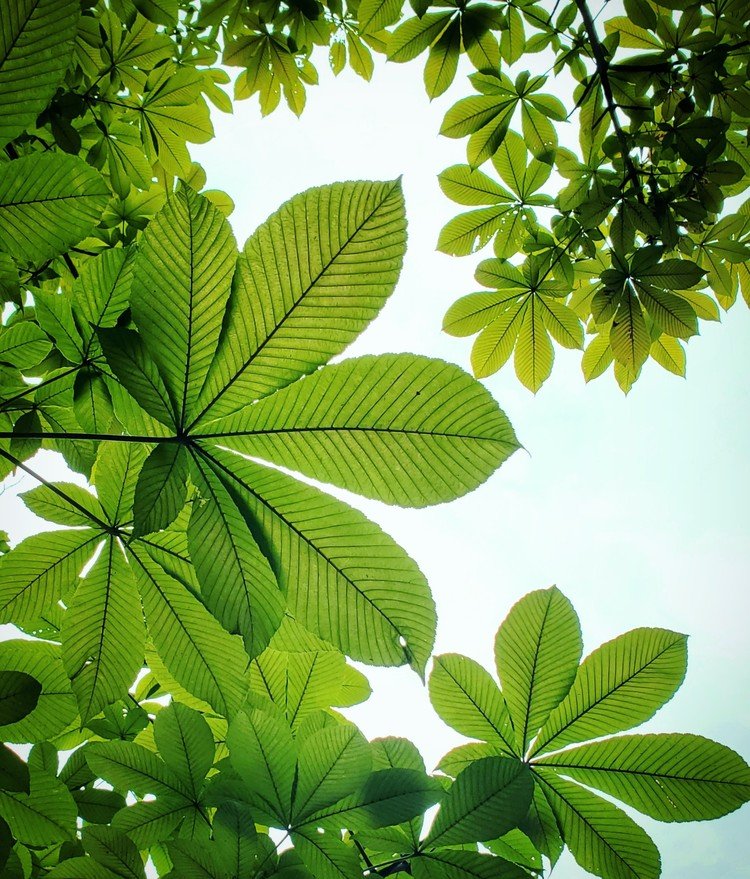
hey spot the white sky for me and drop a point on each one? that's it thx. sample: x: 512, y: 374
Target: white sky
x: 635, y: 507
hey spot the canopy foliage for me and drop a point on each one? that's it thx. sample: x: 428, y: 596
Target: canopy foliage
x: 192, y: 616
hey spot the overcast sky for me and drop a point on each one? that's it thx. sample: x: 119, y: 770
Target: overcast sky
x: 635, y: 507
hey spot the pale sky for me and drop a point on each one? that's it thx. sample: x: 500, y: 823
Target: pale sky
x: 635, y: 507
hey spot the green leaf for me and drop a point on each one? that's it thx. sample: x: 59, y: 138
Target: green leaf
x: 451, y: 864
x: 300, y: 682
x: 457, y: 759
x: 115, y: 476
x: 313, y: 276
x: 374, y: 15
x: 237, y: 583
x: 48, y: 202
x: 537, y: 651
x: 387, y: 797
x: 331, y: 764
x: 237, y: 840
x: 113, y: 850
x: 36, y: 573
x: 415, y: 35
x: 55, y: 315
x: 129, y: 360
x: 601, y: 837
x: 534, y: 352
x: 618, y: 686
x: 629, y: 337
x: 44, y: 816
x: 56, y: 707
x: 196, y: 651
x: 130, y: 767
x: 36, y: 42
x: 186, y: 744
x: 102, y: 633
x: 673, y: 274
x: 433, y: 431
x: 79, y: 868
x: 92, y: 403
x: 672, y: 313
x: 561, y: 322
x: 326, y: 856
x: 465, y: 696
x: 23, y: 344
x: 442, y: 62
x: 671, y: 777
x: 102, y: 290
x: 669, y: 353
x: 14, y: 773
x: 470, y: 231
x: 343, y: 577
x: 469, y: 186
x: 45, y: 502
x: 632, y: 36
x: 494, y: 345
x: 597, y: 357
x: 262, y: 751
x: 471, y: 313
x: 182, y: 277
x: 487, y: 799
x: 153, y: 821
x: 19, y: 696
x: 161, y: 488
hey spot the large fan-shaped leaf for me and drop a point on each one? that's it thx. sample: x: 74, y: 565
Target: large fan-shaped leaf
x: 197, y: 652
x: 40, y: 569
x: 343, y: 577
x: 466, y: 698
x: 332, y: 764
x: 102, y: 634
x: 486, y: 800
x: 237, y: 583
x: 48, y: 201
x: 601, y: 837
x: 670, y: 777
x: 537, y: 650
x: 400, y: 428
x: 263, y: 752
x: 309, y: 280
x: 181, y: 282
x: 36, y: 39
x: 621, y: 684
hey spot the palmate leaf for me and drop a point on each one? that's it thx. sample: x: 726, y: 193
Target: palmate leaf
x: 671, y: 776
x: 343, y: 577
x: 400, y: 428
x: 36, y: 42
x: 48, y: 201
x: 308, y: 281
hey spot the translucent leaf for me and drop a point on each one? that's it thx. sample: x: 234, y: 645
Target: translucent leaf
x: 434, y: 432
x: 186, y: 744
x: 45, y: 502
x: 161, y: 488
x: 537, y: 651
x: 620, y: 685
x: 671, y: 776
x: 48, y: 202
